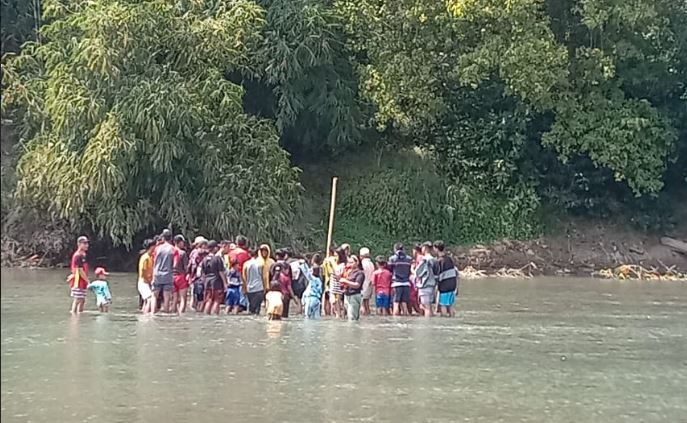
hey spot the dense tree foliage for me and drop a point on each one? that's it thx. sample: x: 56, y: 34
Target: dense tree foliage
x: 136, y: 113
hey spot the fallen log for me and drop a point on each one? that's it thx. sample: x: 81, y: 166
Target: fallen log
x: 675, y: 244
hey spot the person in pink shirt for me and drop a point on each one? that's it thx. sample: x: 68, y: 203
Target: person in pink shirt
x: 381, y: 281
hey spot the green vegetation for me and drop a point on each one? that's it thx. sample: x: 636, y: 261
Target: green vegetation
x: 128, y: 115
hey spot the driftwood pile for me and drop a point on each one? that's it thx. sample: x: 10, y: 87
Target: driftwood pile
x: 524, y: 272
x: 633, y: 271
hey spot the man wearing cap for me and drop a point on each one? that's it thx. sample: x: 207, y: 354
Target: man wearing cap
x: 368, y: 270
x: 78, y: 279
x: 426, y: 278
x: 163, y: 271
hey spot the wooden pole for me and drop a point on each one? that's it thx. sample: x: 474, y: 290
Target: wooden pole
x: 331, y: 217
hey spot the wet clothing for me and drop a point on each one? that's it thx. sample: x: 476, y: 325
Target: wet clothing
x: 447, y: 299
x: 400, y: 264
x: 163, y: 266
x: 352, y: 303
x: 255, y: 300
x: 101, y: 290
x: 275, y: 304
x: 233, y: 296
x: 212, y: 269
x: 383, y: 301
x: 402, y: 294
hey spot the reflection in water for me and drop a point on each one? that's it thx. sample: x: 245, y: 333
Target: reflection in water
x: 273, y: 328
x: 500, y: 360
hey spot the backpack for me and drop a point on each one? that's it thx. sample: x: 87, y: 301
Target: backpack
x: 425, y: 274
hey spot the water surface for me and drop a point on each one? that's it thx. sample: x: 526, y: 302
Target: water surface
x: 542, y: 350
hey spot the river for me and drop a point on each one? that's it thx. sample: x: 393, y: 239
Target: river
x: 540, y: 350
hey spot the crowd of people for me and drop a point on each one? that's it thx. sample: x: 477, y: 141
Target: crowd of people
x: 229, y: 277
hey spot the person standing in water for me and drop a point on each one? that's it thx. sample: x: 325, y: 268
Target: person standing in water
x: 145, y: 275
x: 368, y: 270
x: 399, y: 264
x: 425, y: 279
x: 215, y: 279
x: 78, y: 279
x: 254, y: 281
x: 447, y: 281
x: 352, y: 282
x: 163, y: 271
x: 181, y: 279
x: 103, y: 297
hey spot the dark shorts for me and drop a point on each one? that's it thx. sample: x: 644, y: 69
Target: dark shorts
x: 168, y: 287
x: 402, y: 294
x: 255, y: 300
x: 285, y: 308
x: 199, y: 291
x: 215, y: 295
x: 298, y: 290
x: 233, y: 296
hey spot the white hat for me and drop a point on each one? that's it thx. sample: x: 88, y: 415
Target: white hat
x: 364, y: 252
x: 199, y: 240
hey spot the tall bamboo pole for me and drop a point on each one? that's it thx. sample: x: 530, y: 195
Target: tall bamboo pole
x: 331, y: 217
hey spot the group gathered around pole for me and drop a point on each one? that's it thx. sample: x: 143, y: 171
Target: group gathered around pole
x: 231, y: 277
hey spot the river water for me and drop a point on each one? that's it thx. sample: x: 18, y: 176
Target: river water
x: 541, y: 350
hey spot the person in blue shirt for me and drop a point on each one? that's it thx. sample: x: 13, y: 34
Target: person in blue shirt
x: 103, y: 297
x: 233, y: 296
x: 313, y: 293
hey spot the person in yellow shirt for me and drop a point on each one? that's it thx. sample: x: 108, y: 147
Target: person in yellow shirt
x: 328, y: 266
x: 145, y: 274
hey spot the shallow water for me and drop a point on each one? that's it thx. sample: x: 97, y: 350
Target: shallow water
x: 543, y: 350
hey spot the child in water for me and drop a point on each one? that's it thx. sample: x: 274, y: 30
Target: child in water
x: 103, y: 298
x: 275, y: 302
x: 233, y: 296
x: 381, y: 280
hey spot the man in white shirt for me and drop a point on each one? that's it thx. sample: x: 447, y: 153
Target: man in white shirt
x: 368, y: 270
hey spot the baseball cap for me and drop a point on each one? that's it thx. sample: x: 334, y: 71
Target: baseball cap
x: 345, y: 246
x: 179, y: 238
x: 82, y: 240
x: 364, y: 252
x: 101, y: 271
x: 166, y: 234
x: 200, y: 240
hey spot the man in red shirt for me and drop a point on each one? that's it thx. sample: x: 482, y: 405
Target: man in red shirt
x: 240, y: 254
x: 78, y: 279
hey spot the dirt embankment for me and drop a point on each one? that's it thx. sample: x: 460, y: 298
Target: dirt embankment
x: 581, y: 249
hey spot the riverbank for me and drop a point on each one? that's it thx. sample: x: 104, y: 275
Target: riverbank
x: 576, y: 249
x: 580, y: 249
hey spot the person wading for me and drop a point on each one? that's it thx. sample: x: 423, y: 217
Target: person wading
x: 352, y: 282
x: 78, y: 279
x: 368, y: 270
x: 163, y: 271
x: 400, y: 264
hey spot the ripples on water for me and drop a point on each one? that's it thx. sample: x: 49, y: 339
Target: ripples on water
x: 548, y: 350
